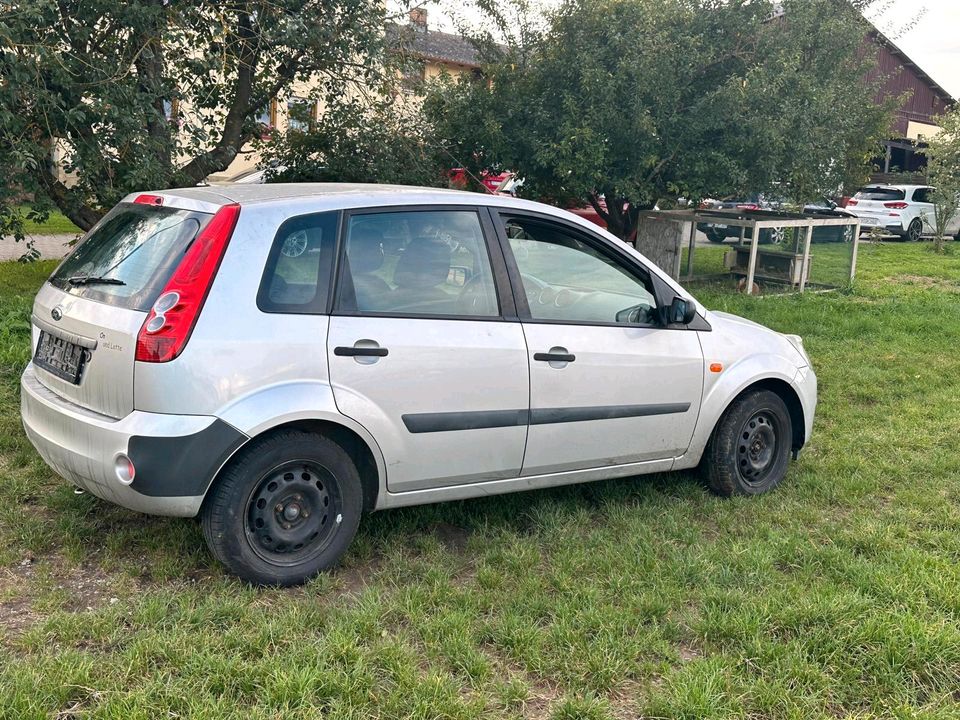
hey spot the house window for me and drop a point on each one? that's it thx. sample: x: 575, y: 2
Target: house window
x: 301, y: 112
x: 267, y: 119
x: 414, y: 74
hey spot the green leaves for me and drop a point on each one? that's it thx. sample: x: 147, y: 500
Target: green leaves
x: 642, y: 100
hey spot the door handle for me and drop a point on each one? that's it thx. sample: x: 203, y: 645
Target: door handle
x: 361, y: 351
x: 554, y: 356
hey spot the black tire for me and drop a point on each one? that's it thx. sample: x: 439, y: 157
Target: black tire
x: 714, y: 235
x: 914, y: 230
x: 286, y: 508
x: 749, y: 451
x: 772, y: 236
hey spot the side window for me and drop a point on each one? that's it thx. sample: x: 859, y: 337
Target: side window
x: 417, y: 263
x: 297, y: 275
x: 567, y: 279
x: 921, y: 195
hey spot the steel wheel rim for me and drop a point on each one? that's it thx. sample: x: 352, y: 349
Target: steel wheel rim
x: 293, y: 513
x: 758, y: 448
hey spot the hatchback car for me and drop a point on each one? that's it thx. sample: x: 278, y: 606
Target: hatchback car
x: 281, y: 358
x: 907, y: 211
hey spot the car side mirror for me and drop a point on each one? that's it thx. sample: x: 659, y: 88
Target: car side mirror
x: 681, y: 311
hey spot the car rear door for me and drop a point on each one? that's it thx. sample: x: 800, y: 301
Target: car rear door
x: 420, y: 349
x: 926, y: 211
x: 608, y: 384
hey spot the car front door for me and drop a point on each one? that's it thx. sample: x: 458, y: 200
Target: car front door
x: 609, y: 385
x: 418, y: 349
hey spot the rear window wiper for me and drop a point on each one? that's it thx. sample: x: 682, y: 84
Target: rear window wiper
x: 93, y: 280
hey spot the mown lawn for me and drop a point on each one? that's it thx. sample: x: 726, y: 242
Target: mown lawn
x: 836, y: 596
x: 56, y: 224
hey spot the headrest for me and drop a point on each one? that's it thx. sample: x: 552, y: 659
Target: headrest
x: 425, y: 263
x: 365, y: 249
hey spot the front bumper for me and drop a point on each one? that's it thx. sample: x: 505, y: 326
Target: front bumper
x: 176, y: 456
x: 805, y: 383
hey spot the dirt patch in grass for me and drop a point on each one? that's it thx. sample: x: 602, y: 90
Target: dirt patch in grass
x: 16, y: 610
x: 925, y: 281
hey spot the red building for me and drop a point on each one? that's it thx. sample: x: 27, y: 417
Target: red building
x: 915, y: 119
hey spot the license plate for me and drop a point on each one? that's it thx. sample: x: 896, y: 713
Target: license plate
x: 721, y: 227
x: 869, y: 221
x: 60, y: 357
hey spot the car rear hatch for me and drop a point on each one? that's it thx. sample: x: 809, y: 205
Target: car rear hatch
x: 872, y: 202
x: 87, y: 317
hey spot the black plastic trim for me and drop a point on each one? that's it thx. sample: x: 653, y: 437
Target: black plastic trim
x: 550, y: 416
x: 184, y: 465
x: 484, y: 419
x: 360, y: 351
x: 554, y: 357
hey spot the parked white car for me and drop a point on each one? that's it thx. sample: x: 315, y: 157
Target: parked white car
x: 904, y: 210
x: 280, y: 358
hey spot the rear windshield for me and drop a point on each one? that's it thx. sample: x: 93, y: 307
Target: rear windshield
x: 876, y: 193
x: 129, y: 255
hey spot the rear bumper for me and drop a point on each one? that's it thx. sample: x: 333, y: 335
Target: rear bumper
x: 176, y: 456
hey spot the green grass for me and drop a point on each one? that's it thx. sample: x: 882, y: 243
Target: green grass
x: 55, y: 224
x: 838, y: 595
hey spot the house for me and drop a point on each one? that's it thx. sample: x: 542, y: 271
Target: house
x: 915, y: 120
x: 428, y: 54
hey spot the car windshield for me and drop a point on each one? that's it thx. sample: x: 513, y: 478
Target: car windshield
x: 129, y: 255
x: 877, y: 193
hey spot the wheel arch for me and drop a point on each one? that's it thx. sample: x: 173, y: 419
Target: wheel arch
x: 364, y: 456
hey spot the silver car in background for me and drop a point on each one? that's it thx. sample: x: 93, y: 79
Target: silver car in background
x: 281, y: 358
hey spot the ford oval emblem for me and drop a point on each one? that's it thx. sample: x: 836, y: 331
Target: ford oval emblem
x: 57, y: 313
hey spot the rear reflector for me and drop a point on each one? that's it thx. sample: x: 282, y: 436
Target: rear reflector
x: 173, y: 316
x: 149, y: 200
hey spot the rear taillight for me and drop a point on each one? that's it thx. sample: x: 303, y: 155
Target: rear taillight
x: 168, y: 326
x: 844, y: 201
x: 896, y: 205
x: 748, y: 206
x: 851, y: 202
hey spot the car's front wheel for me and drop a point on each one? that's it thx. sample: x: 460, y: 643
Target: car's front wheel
x: 285, y: 509
x: 715, y: 236
x: 749, y: 451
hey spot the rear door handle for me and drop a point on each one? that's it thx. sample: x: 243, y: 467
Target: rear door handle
x: 553, y: 356
x: 361, y: 351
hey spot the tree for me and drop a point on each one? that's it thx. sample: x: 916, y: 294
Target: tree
x: 624, y: 103
x: 362, y: 139
x: 943, y: 172
x: 88, y: 89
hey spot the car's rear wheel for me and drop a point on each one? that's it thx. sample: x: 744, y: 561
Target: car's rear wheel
x: 749, y: 451
x: 284, y: 510
x: 914, y: 230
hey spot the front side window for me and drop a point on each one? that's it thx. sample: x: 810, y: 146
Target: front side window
x: 417, y: 263
x: 297, y: 276
x: 567, y: 279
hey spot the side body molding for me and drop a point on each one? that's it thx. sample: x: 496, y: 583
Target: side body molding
x: 277, y: 405
x: 721, y: 389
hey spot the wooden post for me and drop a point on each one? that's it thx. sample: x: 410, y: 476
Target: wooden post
x: 806, y: 257
x: 853, y: 254
x: 693, y: 244
x: 752, y: 267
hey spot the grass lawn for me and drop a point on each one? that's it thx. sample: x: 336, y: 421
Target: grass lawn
x: 838, y: 595
x: 56, y: 224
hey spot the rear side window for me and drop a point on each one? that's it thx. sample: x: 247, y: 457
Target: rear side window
x: 297, y: 277
x: 876, y: 193
x: 127, y: 258
x: 922, y: 195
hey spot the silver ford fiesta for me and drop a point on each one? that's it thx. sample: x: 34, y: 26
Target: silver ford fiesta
x: 281, y: 358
